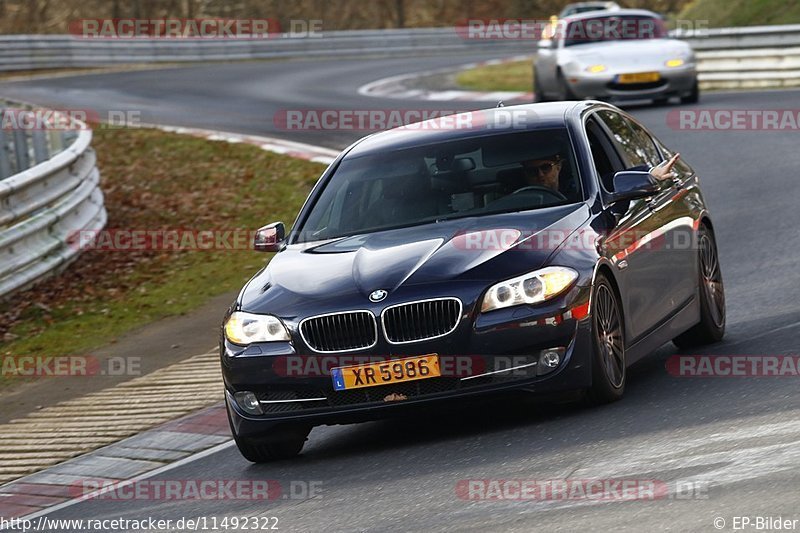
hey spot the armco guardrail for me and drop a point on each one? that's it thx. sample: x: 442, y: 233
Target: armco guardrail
x: 755, y: 56
x: 27, y: 52
x: 747, y: 57
x: 49, y: 191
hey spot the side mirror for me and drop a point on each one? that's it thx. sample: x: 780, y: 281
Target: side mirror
x: 270, y: 237
x: 632, y: 185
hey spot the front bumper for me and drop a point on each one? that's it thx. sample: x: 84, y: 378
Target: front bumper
x: 493, y: 353
x: 674, y: 82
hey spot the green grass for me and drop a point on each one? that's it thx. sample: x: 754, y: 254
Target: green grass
x: 724, y: 13
x: 157, y: 180
x: 514, y: 76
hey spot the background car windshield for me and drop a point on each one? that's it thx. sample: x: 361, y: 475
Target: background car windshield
x: 469, y: 177
x: 614, y: 28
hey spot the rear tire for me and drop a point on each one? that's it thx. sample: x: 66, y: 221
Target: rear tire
x: 711, y: 327
x: 608, y: 344
x: 694, y: 96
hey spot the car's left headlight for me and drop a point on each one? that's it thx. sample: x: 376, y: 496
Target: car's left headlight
x: 596, y: 69
x: 531, y: 288
x: 246, y: 328
x: 674, y: 63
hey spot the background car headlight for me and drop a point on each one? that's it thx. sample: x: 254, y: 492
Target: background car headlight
x: 530, y: 288
x: 672, y: 63
x: 246, y: 328
x: 594, y: 69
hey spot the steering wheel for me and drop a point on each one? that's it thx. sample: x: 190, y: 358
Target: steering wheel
x: 541, y: 189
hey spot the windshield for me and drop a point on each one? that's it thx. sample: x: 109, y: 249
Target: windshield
x: 614, y: 28
x: 425, y: 184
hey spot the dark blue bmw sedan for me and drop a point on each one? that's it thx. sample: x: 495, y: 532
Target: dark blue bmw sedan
x: 540, y: 248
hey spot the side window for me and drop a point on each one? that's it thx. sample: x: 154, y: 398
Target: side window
x: 638, y: 149
x: 605, y: 157
x: 645, y: 143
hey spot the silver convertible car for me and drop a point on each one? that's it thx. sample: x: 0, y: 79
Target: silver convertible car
x: 616, y: 56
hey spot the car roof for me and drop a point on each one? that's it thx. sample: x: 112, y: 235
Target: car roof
x: 507, y: 119
x: 587, y: 4
x: 615, y: 13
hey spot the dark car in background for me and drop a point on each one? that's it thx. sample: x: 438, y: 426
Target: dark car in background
x: 426, y: 266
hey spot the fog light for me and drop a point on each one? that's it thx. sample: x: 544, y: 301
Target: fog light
x: 248, y: 402
x: 549, y: 360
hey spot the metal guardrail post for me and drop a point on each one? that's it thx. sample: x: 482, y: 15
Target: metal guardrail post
x: 21, y: 150
x: 5, y: 156
x: 40, y: 148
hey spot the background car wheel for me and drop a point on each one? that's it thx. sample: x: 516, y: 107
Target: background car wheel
x: 538, y: 94
x: 694, y: 96
x: 565, y: 93
x: 608, y: 340
x: 711, y: 327
x: 285, y: 443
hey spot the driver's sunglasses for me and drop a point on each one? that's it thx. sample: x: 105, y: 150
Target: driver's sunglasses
x: 544, y: 168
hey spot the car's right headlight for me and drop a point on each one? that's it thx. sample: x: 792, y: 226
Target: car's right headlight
x: 246, y: 328
x: 530, y: 288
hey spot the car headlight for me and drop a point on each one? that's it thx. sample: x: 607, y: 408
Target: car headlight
x: 672, y: 63
x: 595, y: 69
x: 530, y: 288
x: 246, y: 328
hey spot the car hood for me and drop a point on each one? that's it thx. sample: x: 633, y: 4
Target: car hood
x: 464, y: 249
x: 616, y: 55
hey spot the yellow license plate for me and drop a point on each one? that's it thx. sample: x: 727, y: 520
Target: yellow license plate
x: 386, y: 372
x: 639, y: 77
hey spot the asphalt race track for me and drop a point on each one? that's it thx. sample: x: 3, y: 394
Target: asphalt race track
x: 736, y: 439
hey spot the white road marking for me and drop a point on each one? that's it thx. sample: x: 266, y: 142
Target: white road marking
x: 177, y: 464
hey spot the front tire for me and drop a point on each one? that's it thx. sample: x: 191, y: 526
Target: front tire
x: 538, y: 94
x: 711, y: 327
x: 608, y: 343
x: 284, y: 442
x: 694, y: 96
x: 565, y: 92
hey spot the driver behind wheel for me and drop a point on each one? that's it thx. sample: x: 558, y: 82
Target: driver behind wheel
x: 543, y: 172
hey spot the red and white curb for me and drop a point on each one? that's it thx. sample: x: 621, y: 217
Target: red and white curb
x: 135, y: 458
x: 317, y: 154
x: 394, y: 86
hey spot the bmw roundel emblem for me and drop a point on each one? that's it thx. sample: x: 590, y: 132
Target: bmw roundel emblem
x: 378, y: 295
